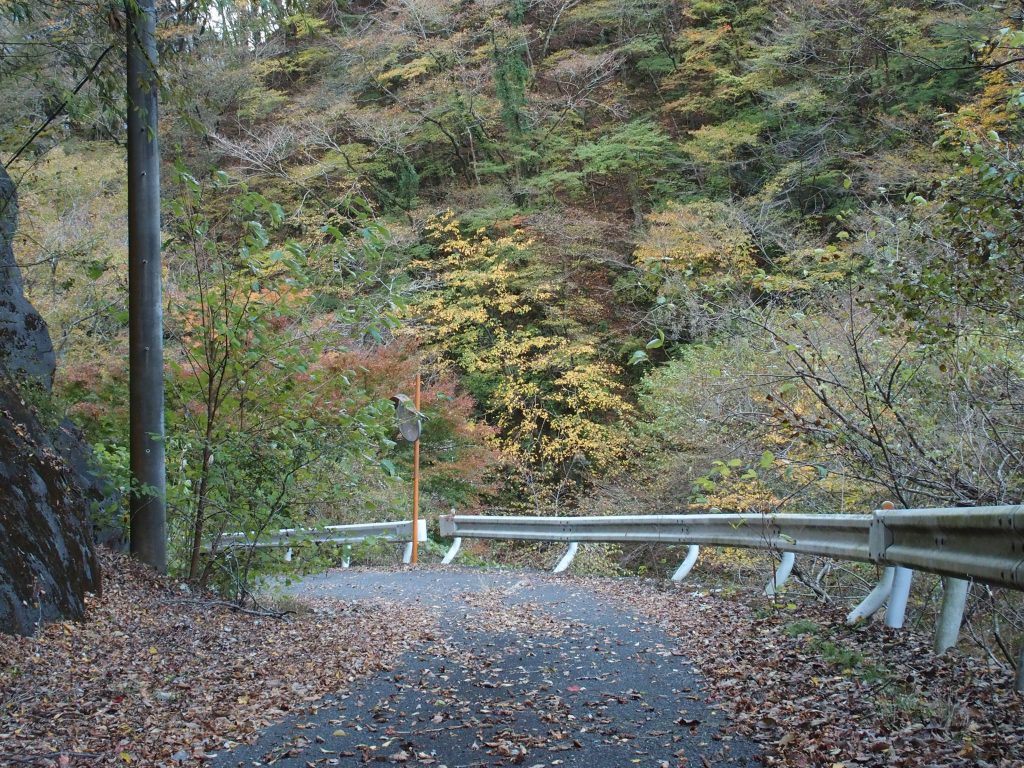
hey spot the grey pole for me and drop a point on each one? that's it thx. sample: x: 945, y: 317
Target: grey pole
x: 147, y: 505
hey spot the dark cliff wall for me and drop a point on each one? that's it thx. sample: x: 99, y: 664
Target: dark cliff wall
x: 47, y: 560
x: 24, y: 340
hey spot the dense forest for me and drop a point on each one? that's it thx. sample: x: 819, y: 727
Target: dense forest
x: 650, y: 255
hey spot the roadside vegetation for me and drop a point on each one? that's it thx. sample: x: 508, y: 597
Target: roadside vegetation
x: 650, y: 256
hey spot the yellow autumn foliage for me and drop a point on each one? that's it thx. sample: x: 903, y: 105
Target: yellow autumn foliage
x: 704, y: 241
x: 557, y: 406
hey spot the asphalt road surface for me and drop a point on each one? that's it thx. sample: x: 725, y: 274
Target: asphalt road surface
x: 528, y: 669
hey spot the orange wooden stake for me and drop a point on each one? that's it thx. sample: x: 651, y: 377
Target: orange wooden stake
x: 416, y: 481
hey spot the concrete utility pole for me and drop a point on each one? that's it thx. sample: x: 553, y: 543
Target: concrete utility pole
x: 147, y: 506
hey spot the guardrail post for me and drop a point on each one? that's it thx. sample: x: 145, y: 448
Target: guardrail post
x: 288, y: 555
x: 896, y: 611
x: 453, y: 550
x: 566, y: 560
x: 346, y: 556
x: 1020, y: 670
x: 954, y: 599
x: 687, y: 565
x: 781, y: 574
x: 407, y: 556
x: 875, y: 599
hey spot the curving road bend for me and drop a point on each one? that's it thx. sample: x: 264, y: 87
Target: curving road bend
x: 527, y: 669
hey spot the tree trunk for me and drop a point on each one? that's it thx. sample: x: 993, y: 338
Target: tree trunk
x: 200, y: 521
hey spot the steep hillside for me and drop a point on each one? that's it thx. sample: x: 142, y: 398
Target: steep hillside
x: 648, y: 254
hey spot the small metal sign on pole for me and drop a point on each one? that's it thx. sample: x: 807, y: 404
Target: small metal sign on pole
x: 410, y: 425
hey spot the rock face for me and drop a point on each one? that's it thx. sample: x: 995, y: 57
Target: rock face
x: 24, y: 340
x: 47, y: 560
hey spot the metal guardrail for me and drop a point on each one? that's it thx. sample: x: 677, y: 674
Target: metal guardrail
x: 841, y: 536
x: 342, y: 534
x: 984, y: 544
x: 338, y: 534
x: 981, y: 543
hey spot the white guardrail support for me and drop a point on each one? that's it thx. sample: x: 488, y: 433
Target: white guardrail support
x: 453, y: 550
x: 954, y: 600
x: 874, y: 600
x: 781, y: 575
x: 567, y: 558
x: 896, y: 610
x: 692, y: 552
x: 1019, y: 686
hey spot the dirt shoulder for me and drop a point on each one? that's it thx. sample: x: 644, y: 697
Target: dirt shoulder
x: 816, y: 692
x: 157, y: 676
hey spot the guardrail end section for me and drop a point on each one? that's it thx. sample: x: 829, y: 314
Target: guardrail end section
x: 687, y: 565
x: 567, y: 558
x: 453, y: 550
x: 447, y: 526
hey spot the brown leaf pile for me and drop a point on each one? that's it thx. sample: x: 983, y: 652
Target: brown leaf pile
x: 155, y: 677
x: 815, y: 692
x: 494, y: 616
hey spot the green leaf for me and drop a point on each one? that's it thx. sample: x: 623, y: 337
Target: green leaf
x: 96, y: 268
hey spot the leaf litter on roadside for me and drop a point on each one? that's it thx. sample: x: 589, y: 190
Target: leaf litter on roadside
x: 149, y: 679
x: 816, y: 692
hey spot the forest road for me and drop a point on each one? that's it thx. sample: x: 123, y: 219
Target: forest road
x: 525, y: 669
